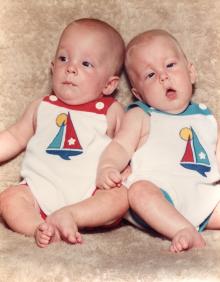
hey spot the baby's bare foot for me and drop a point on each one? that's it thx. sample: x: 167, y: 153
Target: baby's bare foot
x: 44, y: 235
x: 63, y: 223
x: 71, y: 235
x: 186, y: 239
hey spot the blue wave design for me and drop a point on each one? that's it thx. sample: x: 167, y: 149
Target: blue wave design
x: 200, y: 168
x: 64, y: 154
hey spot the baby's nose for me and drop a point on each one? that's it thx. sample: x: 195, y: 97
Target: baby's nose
x: 163, y: 76
x: 71, y: 68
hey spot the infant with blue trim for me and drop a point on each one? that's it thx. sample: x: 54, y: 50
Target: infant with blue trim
x: 172, y: 144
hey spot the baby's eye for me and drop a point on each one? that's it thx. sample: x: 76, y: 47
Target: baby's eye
x: 62, y: 58
x: 150, y: 75
x: 87, y: 64
x: 171, y: 65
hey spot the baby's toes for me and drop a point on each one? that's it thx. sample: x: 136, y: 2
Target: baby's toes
x: 184, y: 243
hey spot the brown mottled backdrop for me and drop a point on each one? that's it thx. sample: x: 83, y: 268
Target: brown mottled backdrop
x: 29, y: 31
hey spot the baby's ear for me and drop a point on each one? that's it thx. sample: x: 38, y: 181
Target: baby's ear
x: 192, y: 72
x: 111, y: 85
x: 136, y: 93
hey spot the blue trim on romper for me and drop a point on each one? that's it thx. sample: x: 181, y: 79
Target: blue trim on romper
x: 192, y: 109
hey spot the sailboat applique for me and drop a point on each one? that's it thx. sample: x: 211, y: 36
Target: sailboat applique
x: 195, y: 156
x: 66, y: 143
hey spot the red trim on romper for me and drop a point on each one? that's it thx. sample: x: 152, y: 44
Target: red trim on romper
x: 43, y: 215
x: 98, y: 106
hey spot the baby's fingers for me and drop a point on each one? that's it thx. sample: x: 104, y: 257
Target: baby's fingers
x: 108, y: 184
x: 115, y: 178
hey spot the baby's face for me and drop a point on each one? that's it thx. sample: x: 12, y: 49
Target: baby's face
x: 161, y: 75
x: 81, y: 68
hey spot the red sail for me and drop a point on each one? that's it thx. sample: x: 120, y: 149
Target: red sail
x: 71, y: 140
x: 188, y: 155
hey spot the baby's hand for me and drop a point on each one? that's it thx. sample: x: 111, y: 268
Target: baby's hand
x: 126, y: 172
x: 108, y: 178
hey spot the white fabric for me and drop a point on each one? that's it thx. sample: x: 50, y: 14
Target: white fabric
x: 57, y: 182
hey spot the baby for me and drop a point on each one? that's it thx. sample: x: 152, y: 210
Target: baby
x: 64, y: 134
x: 171, y: 142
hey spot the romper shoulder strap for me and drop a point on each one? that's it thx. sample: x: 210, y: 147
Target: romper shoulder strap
x: 141, y: 105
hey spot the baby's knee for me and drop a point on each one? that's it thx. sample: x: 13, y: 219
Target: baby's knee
x: 9, y: 196
x: 142, y: 191
x: 5, y: 199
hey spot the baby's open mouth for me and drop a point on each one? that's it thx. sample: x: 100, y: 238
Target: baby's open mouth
x: 171, y: 93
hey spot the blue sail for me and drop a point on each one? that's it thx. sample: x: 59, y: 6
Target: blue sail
x: 56, y: 143
x: 200, y: 153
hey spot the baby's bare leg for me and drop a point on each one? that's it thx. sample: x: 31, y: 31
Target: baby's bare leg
x: 214, y: 221
x: 150, y: 204
x: 22, y: 214
x: 104, y: 207
x: 19, y: 210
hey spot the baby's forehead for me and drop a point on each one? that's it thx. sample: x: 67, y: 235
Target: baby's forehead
x: 76, y: 30
x: 138, y: 48
x: 145, y: 41
x: 78, y: 34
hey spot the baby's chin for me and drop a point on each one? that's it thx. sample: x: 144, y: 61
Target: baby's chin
x: 74, y: 102
x: 69, y: 99
x: 178, y: 110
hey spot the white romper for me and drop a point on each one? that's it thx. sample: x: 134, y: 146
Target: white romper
x: 179, y: 157
x: 61, y: 158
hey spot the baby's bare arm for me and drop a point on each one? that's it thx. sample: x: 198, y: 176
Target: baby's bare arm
x: 114, y: 118
x: 14, y: 139
x: 118, y: 153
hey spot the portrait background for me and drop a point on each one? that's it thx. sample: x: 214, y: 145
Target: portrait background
x: 29, y: 31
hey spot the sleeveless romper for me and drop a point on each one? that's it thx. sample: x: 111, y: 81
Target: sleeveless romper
x: 179, y: 158
x: 61, y: 158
